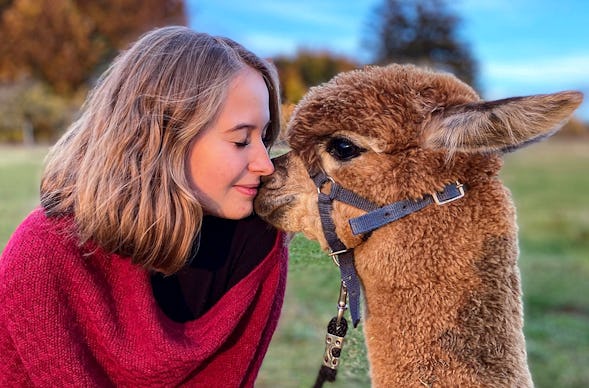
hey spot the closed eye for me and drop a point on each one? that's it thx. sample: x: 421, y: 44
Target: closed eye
x: 343, y: 149
x: 241, y: 144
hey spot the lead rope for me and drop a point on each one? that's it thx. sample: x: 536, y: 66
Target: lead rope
x: 334, y: 341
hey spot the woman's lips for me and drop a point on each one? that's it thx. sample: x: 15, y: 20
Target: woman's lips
x: 247, y: 190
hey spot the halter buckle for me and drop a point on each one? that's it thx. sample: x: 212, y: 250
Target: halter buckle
x: 459, y: 187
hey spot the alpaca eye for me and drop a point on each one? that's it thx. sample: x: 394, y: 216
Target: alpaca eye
x: 343, y: 149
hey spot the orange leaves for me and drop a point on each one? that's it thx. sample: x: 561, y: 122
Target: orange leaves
x: 61, y: 42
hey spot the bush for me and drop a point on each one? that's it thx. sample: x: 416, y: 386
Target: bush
x: 31, y: 113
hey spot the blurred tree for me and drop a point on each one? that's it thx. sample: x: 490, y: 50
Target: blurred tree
x: 574, y: 128
x: 422, y: 32
x: 51, y: 49
x: 31, y: 113
x: 5, y: 4
x: 308, y: 68
x: 61, y: 42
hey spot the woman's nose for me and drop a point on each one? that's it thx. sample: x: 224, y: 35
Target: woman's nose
x: 260, y: 162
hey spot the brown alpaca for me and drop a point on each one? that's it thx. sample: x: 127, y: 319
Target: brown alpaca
x: 441, y: 285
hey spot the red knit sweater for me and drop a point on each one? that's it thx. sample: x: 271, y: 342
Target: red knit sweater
x: 72, y: 317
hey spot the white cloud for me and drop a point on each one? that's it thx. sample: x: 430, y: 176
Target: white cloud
x: 269, y: 45
x: 507, y: 79
x: 557, y: 70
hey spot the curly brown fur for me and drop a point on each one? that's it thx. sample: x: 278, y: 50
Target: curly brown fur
x: 442, y: 288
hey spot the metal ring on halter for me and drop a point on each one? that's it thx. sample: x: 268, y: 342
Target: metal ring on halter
x: 328, y: 179
x: 334, y: 255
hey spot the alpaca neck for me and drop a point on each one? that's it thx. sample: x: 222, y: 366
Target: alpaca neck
x: 457, y: 324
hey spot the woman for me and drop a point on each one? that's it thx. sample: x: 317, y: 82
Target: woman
x: 144, y: 265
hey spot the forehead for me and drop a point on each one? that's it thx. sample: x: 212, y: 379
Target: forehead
x: 248, y: 80
x: 247, y: 96
x: 387, y: 104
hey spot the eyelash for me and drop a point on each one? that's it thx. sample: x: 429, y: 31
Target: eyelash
x: 242, y: 144
x: 246, y: 142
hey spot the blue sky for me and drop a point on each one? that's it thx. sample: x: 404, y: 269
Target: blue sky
x: 522, y: 46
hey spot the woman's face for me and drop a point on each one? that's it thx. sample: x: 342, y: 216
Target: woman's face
x: 227, y: 159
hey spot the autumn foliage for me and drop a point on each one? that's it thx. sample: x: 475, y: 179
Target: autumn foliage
x: 51, y: 51
x: 306, y: 69
x: 62, y: 42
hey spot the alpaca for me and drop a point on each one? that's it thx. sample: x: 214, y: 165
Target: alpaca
x: 441, y: 285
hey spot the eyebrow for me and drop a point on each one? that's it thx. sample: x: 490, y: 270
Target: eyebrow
x: 248, y: 126
x: 242, y: 126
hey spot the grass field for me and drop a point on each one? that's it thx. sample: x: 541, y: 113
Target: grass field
x: 550, y: 185
x: 20, y: 172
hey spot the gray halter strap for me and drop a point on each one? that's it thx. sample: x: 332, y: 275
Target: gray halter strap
x: 375, y: 218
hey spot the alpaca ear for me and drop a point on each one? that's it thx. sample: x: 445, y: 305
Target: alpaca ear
x: 501, y: 125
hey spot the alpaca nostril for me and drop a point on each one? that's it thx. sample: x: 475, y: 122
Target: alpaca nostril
x: 267, y: 180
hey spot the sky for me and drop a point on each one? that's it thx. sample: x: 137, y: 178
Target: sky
x: 522, y: 46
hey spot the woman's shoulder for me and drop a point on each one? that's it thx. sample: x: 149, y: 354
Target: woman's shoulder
x: 38, y: 231
x: 39, y: 243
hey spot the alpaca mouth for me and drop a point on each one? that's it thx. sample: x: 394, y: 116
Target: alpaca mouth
x: 272, y: 208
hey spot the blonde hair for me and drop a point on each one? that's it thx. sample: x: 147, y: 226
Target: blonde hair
x: 120, y: 169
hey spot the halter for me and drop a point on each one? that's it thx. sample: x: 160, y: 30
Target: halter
x: 374, y: 218
x: 343, y: 256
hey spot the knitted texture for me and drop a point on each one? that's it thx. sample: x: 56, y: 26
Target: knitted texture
x: 76, y: 316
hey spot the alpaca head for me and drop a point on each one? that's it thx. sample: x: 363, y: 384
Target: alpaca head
x: 396, y: 132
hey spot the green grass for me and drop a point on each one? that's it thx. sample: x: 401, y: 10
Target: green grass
x: 550, y: 185
x: 20, y: 172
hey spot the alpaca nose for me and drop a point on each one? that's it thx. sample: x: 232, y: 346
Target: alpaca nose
x: 280, y: 161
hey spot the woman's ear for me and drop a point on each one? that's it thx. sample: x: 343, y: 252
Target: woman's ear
x: 501, y: 125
